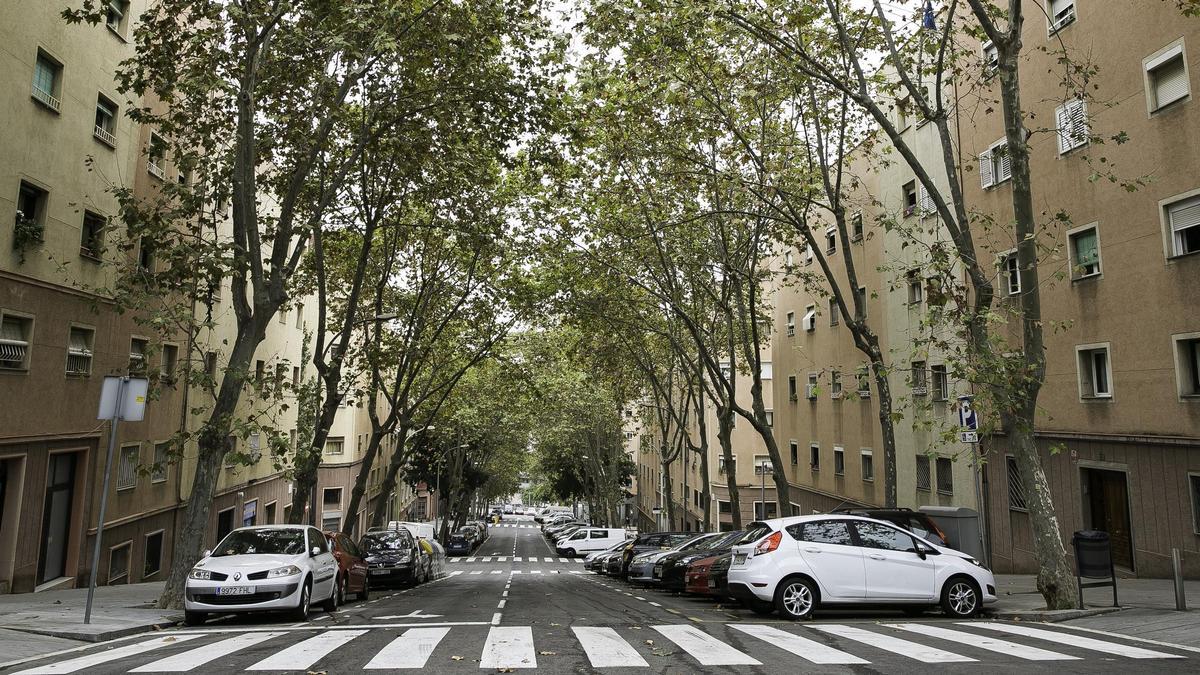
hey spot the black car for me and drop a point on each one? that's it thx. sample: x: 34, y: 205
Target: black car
x: 392, y: 557
x: 718, y: 576
x: 649, y: 542
x: 671, y: 570
x: 458, y: 544
x: 917, y: 522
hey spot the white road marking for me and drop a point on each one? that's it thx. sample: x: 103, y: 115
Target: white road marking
x: 983, y: 642
x: 564, y: 560
x: 488, y: 559
x: 456, y: 573
x: 655, y: 603
x: 470, y: 559
x: 894, y: 645
x: 1076, y: 641
x: 810, y: 650
x: 496, y: 619
x: 72, y: 665
x: 509, y: 647
x: 194, y: 658
x: 606, y: 649
x: 502, y: 558
x: 476, y: 572
x: 517, y: 559
x: 706, y: 649
x: 410, y: 650
x: 501, y: 604
x: 496, y: 571
x: 302, y: 655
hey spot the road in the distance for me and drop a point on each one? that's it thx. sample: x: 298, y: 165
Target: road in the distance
x: 516, y: 605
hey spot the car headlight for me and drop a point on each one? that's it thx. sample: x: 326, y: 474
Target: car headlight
x: 203, y: 575
x: 289, y: 571
x: 973, y: 561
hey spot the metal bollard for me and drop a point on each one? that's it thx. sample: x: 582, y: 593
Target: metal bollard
x: 1177, y: 564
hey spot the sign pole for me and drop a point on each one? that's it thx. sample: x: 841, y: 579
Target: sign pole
x: 112, y: 441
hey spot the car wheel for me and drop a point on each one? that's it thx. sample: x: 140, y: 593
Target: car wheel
x: 569, y: 553
x: 960, y: 598
x: 795, y: 599
x: 194, y: 618
x: 366, y: 590
x: 331, y: 603
x: 301, y: 611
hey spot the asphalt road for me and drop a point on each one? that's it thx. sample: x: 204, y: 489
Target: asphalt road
x: 515, y: 605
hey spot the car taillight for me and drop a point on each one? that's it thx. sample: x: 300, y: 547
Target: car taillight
x: 769, y: 544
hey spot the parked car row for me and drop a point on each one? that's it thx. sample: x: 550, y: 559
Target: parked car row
x: 796, y: 565
x: 290, y: 567
x: 467, y: 538
x: 573, y: 538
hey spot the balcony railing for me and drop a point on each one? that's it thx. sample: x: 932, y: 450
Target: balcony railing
x: 156, y: 170
x: 46, y: 98
x: 12, y: 353
x: 105, y: 136
x: 79, y: 362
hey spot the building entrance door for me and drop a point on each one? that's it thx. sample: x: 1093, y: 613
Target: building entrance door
x: 1106, y: 507
x: 56, y: 518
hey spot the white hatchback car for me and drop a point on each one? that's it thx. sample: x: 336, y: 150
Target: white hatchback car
x: 264, y: 568
x: 805, y: 561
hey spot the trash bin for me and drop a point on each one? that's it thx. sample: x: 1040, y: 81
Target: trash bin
x: 1093, y: 560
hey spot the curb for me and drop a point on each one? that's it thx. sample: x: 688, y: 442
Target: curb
x: 1048, y: 615
x: 100, y: 636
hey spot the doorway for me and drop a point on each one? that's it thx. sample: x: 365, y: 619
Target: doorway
x: 56, y: 517
x: 1106, y: 507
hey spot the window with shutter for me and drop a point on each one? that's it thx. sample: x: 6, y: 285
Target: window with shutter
x: 1184, y: 220
x: 1168, y: 79
x: 1016, y: 491
x: 791, y: 323
x: 127, y: 468
x: 14, y: 342
x: 1085, y: 253
x: 1002, y: 169
x: 810, y: 318
x: 79, y: 351
x: 986, y: 179
x: 1071, y: 118
x: 924, y: 480
x: 1062, y: 14
x: 1095, y: 375
x: 924, y: 201
x: 1011, y: 271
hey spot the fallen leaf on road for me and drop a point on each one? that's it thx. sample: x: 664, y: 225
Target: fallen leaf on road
x: 457, y: 658
x: 649, y: 642
x: 547, y: 653
x: 556, y: 624
x: 316, y: 672
x: 170, y: 639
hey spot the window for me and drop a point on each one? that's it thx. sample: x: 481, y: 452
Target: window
x: 835, y: 384
x: 868, y: 465
x: 833, y: 312
x: 331, y: 498
x: 260, y: 371
x: 1016, y: 491
x: 1194, y: 489
x: 791, y: 324
x: 860, y: 306
x: 1011, y: 271
x: 1187, y: 360
x: 995, y: 166
x: 772, y: 511
x: 770, y: 414
x: 1071, y: 118
x: 162, y: 462
x: 920, y: 385
x: 137, y: 355
x: 814, y: 457
x: 295, y: 377
x: 941, y: 382
x: 808, y: 254
x: 30, y: 215
x: 127, y: 467
x: 80, y: 342
x: 839, y: 461
x: 720, y: 465
x: 925, y: 205
x: 991, y: 57
x: 724, y: 507
x: 1062, y: 14
x: 152, y: 556
x: 15, y: 335
x: 91, y: 238
x: 282, y: 316
x: 170, y: 361
x: 863, y: 386
x: 1183, y: 217
x: 335, y: 446
x: 902, y: 121
x: 795, y: 451
x: 1167, y: 77
x: 910, y: 197
x: 830, y: 240
x: 1085, y: 253
x: 280, y: 375
x: 1095, y: 376
x: 210, y: 365
x: 835, y: 532
x: 118, y: 563
x: 766, y: 370
x: 945, y: 476
x: 47, y: 78
x: 811, y: 390
x: 145, y: 255
x: 300, y: 315
x: 114, y: 16
x: 924, y: 481
x: 810, y: 318
x: 915, y: 289
x: 762, y: 465
x: 224, y: 523
x: 269, y: 514
x: 788, y: 260
x: 155, y: 155
x: 791, y: 387
x: 106, y: 121
x: 856, y: 226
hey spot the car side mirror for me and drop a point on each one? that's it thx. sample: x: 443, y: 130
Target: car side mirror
x: 316, y: 551
x: 207, y: 552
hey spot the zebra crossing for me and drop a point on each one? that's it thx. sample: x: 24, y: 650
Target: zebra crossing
x: 515, y: 525
x: 513, y: 647
x: 516, y: 559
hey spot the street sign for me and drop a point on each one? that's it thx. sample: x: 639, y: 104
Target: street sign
x: 969, y: 436
x: 968, y: 420
x: 131, y: 393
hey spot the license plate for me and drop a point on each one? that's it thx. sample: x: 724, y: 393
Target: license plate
x: 380, y: 572
x: 739, y: 558
x: 235, y: 590
x: 712, y: 584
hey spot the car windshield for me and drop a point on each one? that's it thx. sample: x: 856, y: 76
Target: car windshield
x: 703, y: 541
x: 262, y: 542
x: 386, y: 541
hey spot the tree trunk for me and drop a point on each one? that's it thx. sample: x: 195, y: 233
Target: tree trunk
x: 886, y: 427
x: 364, y: 472
x: 725, y: 438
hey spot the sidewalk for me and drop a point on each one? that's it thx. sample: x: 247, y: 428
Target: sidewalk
x: 32, y: 624
x: 1147, y: 608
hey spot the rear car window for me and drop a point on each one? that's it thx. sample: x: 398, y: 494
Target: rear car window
x: 822, y: 532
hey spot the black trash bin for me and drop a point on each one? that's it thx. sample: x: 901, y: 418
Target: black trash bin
x: 1093, y: 560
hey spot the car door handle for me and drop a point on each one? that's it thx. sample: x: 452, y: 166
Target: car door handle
x: 876, y: 556
x: 812, y: 550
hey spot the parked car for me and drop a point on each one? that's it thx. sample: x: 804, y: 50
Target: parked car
x: 589, y: 539
x: 459, y: 543
x: 472, y: 532
x: 696, y: 576
x: 669, y: 571
x: 352, y: 568
x: 555, y: 531
x: 641, y: 566
x: 264, y: 568
x: 718, y: 575
x: 917, y: 522
x: 417, y: 529
x: 393, y: 557
x: 651, y: 541
x: 802, y: 562
x: 594, y: 561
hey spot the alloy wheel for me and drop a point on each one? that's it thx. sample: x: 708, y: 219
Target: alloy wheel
x: 797, y: 599
x: 962, y: 598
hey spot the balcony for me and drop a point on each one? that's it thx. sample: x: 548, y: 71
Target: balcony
x: 79, y: 362
x: 46, y: 98
x: 12, y: 353
x: 104, y: 136
x: 156, y: 170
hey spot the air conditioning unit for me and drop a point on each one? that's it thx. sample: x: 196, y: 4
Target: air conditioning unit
x: 811, y: 392
x: 864, y: 393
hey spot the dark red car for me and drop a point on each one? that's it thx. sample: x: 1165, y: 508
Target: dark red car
x: 695, y: 579
x: 352, y: 569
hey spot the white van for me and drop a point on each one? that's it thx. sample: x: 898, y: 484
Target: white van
x: 589, y: 539
x: 422, y: 530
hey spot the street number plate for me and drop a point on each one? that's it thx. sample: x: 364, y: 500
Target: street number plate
x: 235, y: 590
